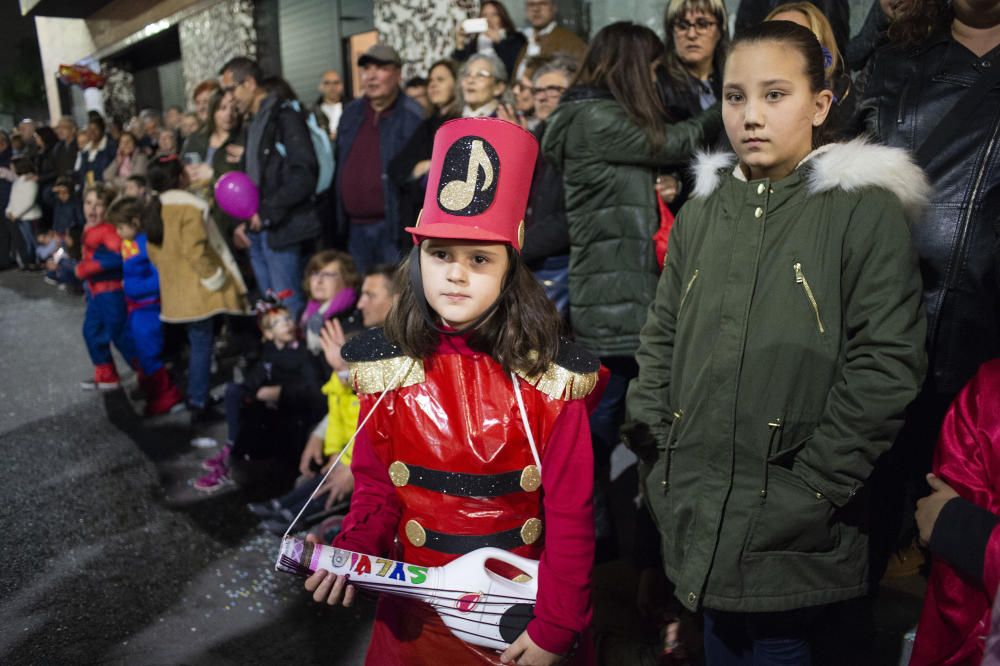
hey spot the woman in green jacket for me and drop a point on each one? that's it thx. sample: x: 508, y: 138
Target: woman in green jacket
x: 608, y: 137
x: 783, y: 346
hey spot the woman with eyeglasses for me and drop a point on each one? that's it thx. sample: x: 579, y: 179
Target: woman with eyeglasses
x: 607, y: 136
x: 408, y: 170
x: 689, y: 77
x: 482, y: 83
x: 501, y: 37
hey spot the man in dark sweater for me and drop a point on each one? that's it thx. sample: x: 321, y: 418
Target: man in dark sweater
x: 373, y: 129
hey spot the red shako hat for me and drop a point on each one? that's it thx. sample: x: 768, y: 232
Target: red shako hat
x: 478, y: 184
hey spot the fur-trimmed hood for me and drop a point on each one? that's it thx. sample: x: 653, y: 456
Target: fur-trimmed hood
x: 846, y: 166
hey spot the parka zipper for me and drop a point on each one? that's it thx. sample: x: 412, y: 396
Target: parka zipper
x: 671, y: 445
x: 687, y: 290
x: 775, y: 426
x: 800, y: 278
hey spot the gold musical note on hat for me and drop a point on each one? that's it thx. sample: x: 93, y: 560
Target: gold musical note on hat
x: 458, y: 194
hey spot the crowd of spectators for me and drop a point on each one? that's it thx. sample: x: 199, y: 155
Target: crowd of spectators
x: 122, y: 210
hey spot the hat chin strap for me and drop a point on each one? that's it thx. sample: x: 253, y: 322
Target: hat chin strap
x: 417, y: 282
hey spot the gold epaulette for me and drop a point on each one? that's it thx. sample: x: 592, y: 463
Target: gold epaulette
x: 375, y: 376
x: 561, y: 383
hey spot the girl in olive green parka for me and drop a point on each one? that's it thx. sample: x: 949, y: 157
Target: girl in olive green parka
x: 782, y: 348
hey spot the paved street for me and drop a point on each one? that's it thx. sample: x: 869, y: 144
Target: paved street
x: 110, y: 557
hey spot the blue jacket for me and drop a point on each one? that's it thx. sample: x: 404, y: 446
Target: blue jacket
x: 141, y: 281
x: 65, y: 215
x: 395, y: 131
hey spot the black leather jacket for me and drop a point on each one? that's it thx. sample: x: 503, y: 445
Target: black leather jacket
x: 905, y: 92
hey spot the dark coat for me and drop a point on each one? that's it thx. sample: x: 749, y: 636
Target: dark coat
x: 608, y: 167
x: 783, y: 346
x: 411, y: 190
x: 395, y: 130
x: 546, y: 230
x: 288, y: 173
x: 64, y: 156
x: 507, y: 50
x: 904, y: 94
x: 96, y: 162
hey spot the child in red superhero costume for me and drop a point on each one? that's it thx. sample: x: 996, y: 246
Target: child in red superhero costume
x: 444, y: 465
x: 100, y: 268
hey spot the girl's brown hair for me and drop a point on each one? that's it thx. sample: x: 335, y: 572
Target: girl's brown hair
x: 618, y: 60
x: 126, y: 211
x: 505, y: 19
x: 802, y: 40
x: 348, y: 271
x: 919, y: 19
x: 521, y: 334
x: 820, y: 27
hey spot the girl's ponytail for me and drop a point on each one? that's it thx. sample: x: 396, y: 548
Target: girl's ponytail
x: 152, y: 221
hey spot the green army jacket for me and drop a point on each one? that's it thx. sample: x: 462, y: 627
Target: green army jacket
x: 784, y: 343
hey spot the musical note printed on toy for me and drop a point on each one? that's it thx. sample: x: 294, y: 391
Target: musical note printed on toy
x: 469, y: 177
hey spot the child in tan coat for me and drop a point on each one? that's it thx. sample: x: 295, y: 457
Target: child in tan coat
x: 198, y: 275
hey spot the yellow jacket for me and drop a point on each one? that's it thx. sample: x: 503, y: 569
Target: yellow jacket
x: 342, y: 419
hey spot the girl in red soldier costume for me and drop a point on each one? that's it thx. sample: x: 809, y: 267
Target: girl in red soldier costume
x: 444, y: 466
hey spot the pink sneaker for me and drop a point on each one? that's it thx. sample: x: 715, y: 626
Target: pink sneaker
x: 215, y: 481
x: 218, y: 460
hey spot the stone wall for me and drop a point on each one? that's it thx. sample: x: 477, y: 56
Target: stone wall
x: 212, y: 37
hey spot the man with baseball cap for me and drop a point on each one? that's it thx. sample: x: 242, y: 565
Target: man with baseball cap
x: 373, y: 129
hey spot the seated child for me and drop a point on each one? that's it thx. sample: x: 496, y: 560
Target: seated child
x: 960, y: 524
x: 278, y: 401
x: 46, y: 244
x: 331, y: 282
x: 142, y: 297
x: 67, y: 212
x: 60, y: 268
x: 100, y: 268
x: 325, y: 443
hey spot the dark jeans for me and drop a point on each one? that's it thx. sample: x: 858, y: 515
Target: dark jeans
x: 200, y: 336
x: 25, y: 243
x: 759, y: 639
x: 236, y: 394
x: 605, y: 423
x: 370, y: 244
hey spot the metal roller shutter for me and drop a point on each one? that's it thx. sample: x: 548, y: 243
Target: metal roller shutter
x: 310, y: 43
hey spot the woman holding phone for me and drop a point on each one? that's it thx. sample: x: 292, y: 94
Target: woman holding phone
x: 493, y: 33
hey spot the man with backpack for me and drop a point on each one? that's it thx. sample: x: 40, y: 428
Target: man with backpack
x: 281, y: 159
x: 373, y: 130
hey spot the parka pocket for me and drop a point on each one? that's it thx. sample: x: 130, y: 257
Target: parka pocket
x: 668, y: 454
x: 800, y: 279
x: 794, y: 518
x: 687, y: 291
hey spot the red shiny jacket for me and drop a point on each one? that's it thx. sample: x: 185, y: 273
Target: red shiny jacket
x: 955, y: 619
x: 444, y: 467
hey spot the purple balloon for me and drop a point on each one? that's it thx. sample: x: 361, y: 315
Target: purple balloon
x: 237, y: 195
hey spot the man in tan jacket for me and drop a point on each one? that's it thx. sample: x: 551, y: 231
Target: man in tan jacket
x: 545, y: 35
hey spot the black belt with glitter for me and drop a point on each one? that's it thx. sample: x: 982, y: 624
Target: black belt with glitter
x: 466, y: 485
x: 460, y: 544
